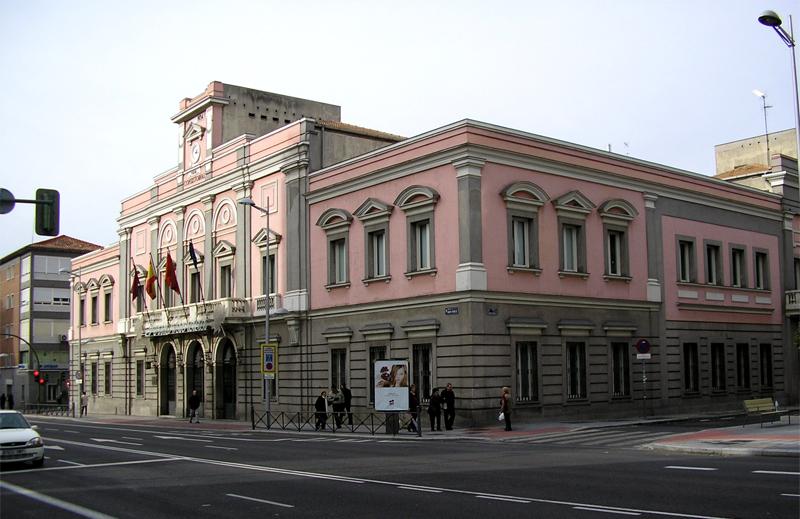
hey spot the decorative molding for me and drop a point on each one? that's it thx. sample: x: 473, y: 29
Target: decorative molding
x: 334, y: 219
x: 373, y: 210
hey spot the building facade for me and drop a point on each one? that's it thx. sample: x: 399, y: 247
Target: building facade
x: 482, y: 255
x: 36, y: 308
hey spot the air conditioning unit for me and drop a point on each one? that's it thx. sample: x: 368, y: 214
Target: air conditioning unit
x: 63, y: 338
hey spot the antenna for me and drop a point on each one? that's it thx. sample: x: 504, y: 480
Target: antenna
x: 763, y: 96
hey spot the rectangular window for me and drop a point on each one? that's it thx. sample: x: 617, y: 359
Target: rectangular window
x: 616, y: 241
x: 743, y: 366
x: 268, y: 275
x: 107, y: 307
x: 520, y: 236
x: 761, y: 274
x: 691, y: 368
x: 576, y: 370
x: 718, y: 367
x: 139, y: 377
x: 338, y: 259
x: 797, y: 274
x: 765, y: 356
x: 713, y: 264
x: 82, y: 311
x: 376, y: 353
x: 570, y: 236
x: 194, y: 287
x: 620, y: 369
x: 107, y: 378
x: 140, y: 299
x: 93, y: 310
x: 421, y: 246
x: 527, y: 379
x: 338, y: 368
x: 225, y: 281
x: 94, y: 378
x: 685, y: 261
x: 422, y: 371
x: 376, y: 254
x: 737, y: 268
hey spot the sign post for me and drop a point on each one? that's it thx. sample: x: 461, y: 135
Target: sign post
x: 643, y: 348
x: 269, y: 368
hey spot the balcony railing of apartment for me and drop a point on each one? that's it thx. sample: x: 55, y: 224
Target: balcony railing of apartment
x: 792, y: 302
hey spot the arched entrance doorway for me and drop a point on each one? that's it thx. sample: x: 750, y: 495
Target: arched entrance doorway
x: 167, y: 391
x: 226, y: 380
x: 194, y: 371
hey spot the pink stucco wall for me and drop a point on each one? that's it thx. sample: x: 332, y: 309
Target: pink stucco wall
x: 90, y: 267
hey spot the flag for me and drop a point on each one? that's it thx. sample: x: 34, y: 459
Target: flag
x: 170, y: 279
x: 193, y: 255
x: 136, y: 285
x: 150, y: 282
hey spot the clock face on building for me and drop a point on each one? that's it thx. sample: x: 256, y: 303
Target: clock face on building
x: 195, y: 153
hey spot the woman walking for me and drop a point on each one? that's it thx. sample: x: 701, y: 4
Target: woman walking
x: 505, y: 407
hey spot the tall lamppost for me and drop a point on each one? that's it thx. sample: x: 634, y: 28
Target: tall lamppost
x: 249, y: 201
x: 73, y: 387
x: 771, y: 19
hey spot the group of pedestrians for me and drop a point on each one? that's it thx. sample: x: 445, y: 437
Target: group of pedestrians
x: 339, y: 401
x: 446, y: 401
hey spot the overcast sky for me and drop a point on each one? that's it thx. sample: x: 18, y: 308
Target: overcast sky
x: 88, y: 88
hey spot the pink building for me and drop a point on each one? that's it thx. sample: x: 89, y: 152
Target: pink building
x: 484, y: 256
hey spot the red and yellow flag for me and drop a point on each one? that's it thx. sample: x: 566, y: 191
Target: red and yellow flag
x: 170, y: 278
x: 150, y: 282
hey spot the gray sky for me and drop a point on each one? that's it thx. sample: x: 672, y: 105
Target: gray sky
x: 88, y: 88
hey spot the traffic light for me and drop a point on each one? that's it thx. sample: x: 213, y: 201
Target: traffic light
x: 47, y: 210
x: 38, y: 376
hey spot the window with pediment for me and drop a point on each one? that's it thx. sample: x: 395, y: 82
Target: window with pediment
x: 374, y: 216
x: 336, y: 224
x: 523, y: 200
x: 572, y: 209
x: 267, y: 241
x: 418, y: 203
x: 617, y: 215
x: 224, y: 255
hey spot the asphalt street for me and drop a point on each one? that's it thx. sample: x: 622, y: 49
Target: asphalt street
x: 101, y: 470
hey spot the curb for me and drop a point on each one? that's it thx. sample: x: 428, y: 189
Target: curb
x: 722, y: 451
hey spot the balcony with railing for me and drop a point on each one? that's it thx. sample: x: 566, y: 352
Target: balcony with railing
x: 792, y: 303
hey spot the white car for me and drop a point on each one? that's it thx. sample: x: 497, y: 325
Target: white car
x: 19, y: 440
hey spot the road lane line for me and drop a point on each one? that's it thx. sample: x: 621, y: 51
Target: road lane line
x: 790, y: 495
x: 509, y: 499
x: 680, y: 467
x: 778, y: 472
x: 98, y: 465
x: 132, y: 438
x: 105, y: 440
x: 58, y: 503
x: 422, y: 489
x: 606, y: 510
x: 260, y: 500
x: 71, y: 463
x: 218, y: 447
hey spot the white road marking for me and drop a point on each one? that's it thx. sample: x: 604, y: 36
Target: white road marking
x: 132, y: 438
x: 98, y: 465
x: 218, y: 447
x: 106, y: 440
x: 53, y: 448
x: 790, y: 495
x: 778, y: 472
x: 422, y: 489
x: 509, y: 499
x: 71, y: 432
x: 71, y: 463
x: 57, y: 503
x: 606, y: 510
x: 183, y: 438
x: 261, y: 500
x: 679, y: 467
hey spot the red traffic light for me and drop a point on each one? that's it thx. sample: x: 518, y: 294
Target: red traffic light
x: 36, y: 373
x: 41, y: 381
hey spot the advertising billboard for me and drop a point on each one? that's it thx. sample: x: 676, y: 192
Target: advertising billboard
x: 391, y: 385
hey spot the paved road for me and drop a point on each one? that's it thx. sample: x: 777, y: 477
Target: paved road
x: 96, y: 470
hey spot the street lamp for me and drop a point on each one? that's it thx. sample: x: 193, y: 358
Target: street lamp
x: 249, y: 202
x: 73, y: 387
x: 771, y: 19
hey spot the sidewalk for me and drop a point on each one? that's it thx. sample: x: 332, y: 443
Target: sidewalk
x: 773, y: 439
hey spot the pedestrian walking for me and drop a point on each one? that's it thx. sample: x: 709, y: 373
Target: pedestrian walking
x: 505, y: 407
x: 84, y: 403
x: 435, y: 410
x: 338, y: 407
x: 321, y: 411
x: 2, y: 400
x: 449, y: 406
x: 10, y: 401
x: 413, y: 407
x: 194, y: 404
x: 348, y: 400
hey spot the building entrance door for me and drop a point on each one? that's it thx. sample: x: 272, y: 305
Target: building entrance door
x: 228, y: 409
x: 167, y: 380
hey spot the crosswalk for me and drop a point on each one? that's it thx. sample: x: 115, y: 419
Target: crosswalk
x: 608, y: 437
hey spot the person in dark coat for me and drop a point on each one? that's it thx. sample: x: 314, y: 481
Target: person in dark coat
x: 2, y: 400
x: 321, y: 411
x: 10, y: 401
x: 338, y: 407
x: 435, y: 410
x: 505, y: 407
x: 449, y: 405
x: 194, y: 404
x: 413, y: 407
x: 348, y: 400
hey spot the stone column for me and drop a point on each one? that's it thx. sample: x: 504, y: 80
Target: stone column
x: 471, y: 272
x: 243, y: 234
x: 208, y: 248
x: 296, y: 235
x: 179, y: 250
x: 153, y: 223
x: 124, y: 281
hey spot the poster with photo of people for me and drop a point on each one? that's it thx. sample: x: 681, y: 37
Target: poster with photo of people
x: 391, y: 385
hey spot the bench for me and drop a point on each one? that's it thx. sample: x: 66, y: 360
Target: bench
x: 763, y: 408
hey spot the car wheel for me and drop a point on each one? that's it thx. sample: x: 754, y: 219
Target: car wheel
x: 39, y: 462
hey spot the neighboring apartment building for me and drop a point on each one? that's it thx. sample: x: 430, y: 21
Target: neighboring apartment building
x: 36, y: 307
x: 484, y: 256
